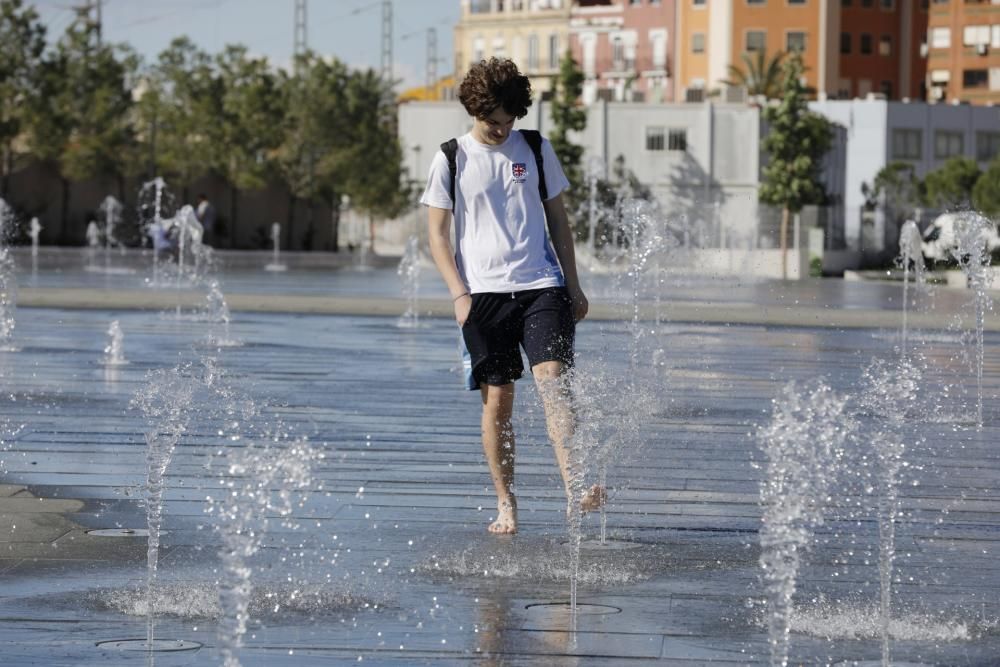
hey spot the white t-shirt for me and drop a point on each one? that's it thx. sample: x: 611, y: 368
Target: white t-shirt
x: 502, y: 244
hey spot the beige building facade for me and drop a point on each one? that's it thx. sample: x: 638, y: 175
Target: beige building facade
x: 533, y: 33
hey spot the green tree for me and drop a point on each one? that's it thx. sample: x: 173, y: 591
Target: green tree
x: 80, y: 115
x: 371, y: 166
x: 178, y: 107
x: 986, y: 192
x: 897, y: 187
x: 796, y: 142
x: 22, y: 42
x: 951, y: 185
x: 568, y: 116
x: 760, y: 75
x: 247, y: 133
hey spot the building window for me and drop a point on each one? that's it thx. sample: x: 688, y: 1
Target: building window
x: 479, y: 6
x: 553, y: 51
x: 987, y: 146
x: 974, y: 35
x: 867, y: 3
x: 845, y: 3
x: 656, y: 139
x: 796, y: 2
x: 698, y: 3
x: 756, y: 40
x: 478, y: 49
x: 698, y: 42
x: 887, y: 4
x: 865, y: 44
x: 885, y: 87
x: 975, y: 78
x: 533, y: 52
x: 617, y: 54
x: 940, y: 38
x: 756, y: 2
x: 845, y: 42
x: 948, y: 144
x: 795, y: 41
x: 907, y: 144
x: 677, y: 140
x: 995, y: 37
x: 885, y: 45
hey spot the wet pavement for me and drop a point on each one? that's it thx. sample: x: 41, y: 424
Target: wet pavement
x: 387, y: 560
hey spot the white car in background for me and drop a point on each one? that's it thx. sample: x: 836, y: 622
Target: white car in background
x: 939, y: 237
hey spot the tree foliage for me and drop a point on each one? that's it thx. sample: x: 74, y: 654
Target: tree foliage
x: 22, y: 42
x: 795, y: 144
x: 568, y: 116
x: 986, y: 193
x: 895, y: 185
x: 951, y: 186
x: 94, y: 110
x: 759, y: 74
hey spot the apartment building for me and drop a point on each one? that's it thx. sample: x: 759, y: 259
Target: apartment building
x: 623, y: 47
x: 533, y: 33
x: 882, y: 49
x: 963, y: 51
x: 849, y: 47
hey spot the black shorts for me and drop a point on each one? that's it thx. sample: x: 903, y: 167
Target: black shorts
x: 539, y: 320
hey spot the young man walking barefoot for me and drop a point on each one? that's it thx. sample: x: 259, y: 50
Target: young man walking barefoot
x: 512, y: 284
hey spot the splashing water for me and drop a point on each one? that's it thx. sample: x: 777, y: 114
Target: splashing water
x: 889, y: 391
x: 803, y: 447
x: 114, y: 353
x: 165, y: 400
x: 156, y: 204
x: 409, y: 272
x: 217, y: 313
x: 971, y: 251
x: 910, y: 252
x: 8, y: 281
x: 259, y: 482
x: 275, y: 264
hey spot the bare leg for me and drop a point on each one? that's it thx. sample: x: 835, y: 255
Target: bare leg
x: 498, y: 445
x: 560, y: 423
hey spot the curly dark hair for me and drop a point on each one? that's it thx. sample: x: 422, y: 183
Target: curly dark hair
x: 495, y: 83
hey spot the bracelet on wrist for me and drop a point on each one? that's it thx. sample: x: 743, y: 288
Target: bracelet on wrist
x: 459, y: 296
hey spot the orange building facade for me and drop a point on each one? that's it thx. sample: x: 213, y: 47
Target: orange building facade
x: 963, y: 51
x: 850, y: 47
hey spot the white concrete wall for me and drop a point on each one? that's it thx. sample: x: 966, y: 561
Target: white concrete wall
x: 721, y: 163
x: 870, y: 123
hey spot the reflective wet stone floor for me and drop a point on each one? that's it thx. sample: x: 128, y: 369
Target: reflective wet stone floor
x: 387, y: 560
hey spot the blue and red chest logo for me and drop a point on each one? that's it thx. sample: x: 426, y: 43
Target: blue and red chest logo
x: 519, y: 171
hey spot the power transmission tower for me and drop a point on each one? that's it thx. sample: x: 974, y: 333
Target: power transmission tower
x: 90, y: 14
x: 432, y: 60
x: 387, y: 41
x: 301, y: 31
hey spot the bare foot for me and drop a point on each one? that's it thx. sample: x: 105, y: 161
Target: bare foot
x: 506, y: 523
x: 594, y: 499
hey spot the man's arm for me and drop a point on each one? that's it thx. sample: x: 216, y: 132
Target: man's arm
x: 439, y: 237
x: 562, y: 239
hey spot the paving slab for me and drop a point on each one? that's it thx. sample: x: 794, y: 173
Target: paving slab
x: 399, y: 520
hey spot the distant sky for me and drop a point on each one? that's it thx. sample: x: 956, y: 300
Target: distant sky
x: 348, y: 29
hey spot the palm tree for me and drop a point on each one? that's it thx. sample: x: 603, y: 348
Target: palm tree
x: 760, y: 75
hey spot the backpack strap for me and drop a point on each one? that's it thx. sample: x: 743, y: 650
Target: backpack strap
x: 534, y: 139
x: 450, y: 150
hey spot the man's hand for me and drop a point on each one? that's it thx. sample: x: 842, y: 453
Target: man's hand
x: 463, y: 306
x: 580, y: 303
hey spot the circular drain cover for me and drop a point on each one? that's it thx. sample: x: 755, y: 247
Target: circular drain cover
x: 120, y: 532
x: 159, y: 645
x: 581, y: 608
